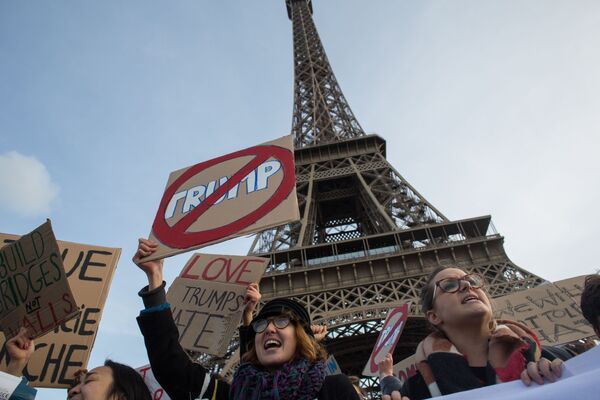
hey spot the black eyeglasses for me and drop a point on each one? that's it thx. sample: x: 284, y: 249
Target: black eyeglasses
x: 451, y: 285
x: 279, y: 322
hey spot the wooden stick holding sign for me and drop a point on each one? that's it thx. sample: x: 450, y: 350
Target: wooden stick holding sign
x: 388, y: 338
x: 35, y: 293
x: 207, y: 299
x: 232, y: 195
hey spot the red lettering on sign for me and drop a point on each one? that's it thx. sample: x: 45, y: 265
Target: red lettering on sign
x: 188, y: 267
x: 226, y: 270
x: 143, y: 372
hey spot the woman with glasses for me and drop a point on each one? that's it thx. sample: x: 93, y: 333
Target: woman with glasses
x: 468, y: 348
x: 283, y: 360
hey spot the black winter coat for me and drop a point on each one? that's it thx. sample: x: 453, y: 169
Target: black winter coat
x: 183, y: 379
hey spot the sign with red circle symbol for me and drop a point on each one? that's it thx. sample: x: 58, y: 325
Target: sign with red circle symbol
x: 236, y: 194
x: 388, y: 338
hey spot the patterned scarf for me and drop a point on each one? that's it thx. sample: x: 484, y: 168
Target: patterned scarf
x: 511, y: 346
x: 298, y: 380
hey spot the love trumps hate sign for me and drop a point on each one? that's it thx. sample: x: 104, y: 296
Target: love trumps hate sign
x: 207, y: 299
x: 34, y: 292
x: 60, y: 353
x: 232, y: 195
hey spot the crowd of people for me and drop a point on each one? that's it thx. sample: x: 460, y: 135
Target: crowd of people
x: 282, y: 356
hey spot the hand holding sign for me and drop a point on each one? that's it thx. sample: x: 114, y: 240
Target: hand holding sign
x: 388, y: 338
x: 251, y: 300
x: 20, y: 348
x: 386, y: 366
x: 152, y: 269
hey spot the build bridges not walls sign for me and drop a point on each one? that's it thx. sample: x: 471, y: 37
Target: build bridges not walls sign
x: 67, y: 347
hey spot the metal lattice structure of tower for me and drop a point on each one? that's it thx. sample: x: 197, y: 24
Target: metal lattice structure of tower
x: 367, y: 239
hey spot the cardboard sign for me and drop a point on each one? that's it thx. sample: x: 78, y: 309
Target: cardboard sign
x: 59, y: 354
x: 405, y: 368
x: 388, y: 338
x: 238, y: 270
x: 34, y: 292
x: 552, y: 310
x: 207, y: 299
x: 156, y: 391
x: 228, y: 196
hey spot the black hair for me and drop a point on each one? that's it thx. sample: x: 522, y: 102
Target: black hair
x: 590, y: 300
x: 128, y: 384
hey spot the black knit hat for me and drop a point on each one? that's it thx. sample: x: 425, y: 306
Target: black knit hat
x: 285, y: 306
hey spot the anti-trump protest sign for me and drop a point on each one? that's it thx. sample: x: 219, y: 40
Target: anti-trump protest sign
x: 34, y: 292
x: 207, y: 299
x: 552, y: 310
x: 388, y: 338
x: 66, y: 349
x: 228, y: 196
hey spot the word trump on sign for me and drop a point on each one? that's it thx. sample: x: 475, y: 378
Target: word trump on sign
x: 388, y: 338
x: 191, y: 198
x: 239, y: 193
x: 207, y: 299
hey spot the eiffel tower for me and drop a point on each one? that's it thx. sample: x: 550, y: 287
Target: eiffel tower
x: 367, y: 238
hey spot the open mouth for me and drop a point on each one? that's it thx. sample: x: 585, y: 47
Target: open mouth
x: 469, y: 299
x: 272, y: 344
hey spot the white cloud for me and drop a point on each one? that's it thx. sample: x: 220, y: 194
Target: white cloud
x: 26, y: 186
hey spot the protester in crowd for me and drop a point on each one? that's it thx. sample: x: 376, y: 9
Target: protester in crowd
x: 112, y: 381
x: 283, y: 359
x: 590, y: 302
x: 468, y: 348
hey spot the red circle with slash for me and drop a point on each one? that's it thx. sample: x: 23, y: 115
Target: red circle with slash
x: 176, y: 236
x: 397, y: 326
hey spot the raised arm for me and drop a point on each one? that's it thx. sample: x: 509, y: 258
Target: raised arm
x: 19, y: 348
x: 171, y: 365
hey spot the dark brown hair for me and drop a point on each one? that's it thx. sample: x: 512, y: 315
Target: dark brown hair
x: 426, y: 295
x: 590, y: 300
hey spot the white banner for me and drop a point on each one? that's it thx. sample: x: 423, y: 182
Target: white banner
x: 157, y: 392
x: 579, y: 381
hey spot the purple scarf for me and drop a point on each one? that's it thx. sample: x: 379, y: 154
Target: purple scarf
x: 297, y: 380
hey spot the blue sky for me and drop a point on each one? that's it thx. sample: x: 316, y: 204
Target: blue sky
x: 488, y: 107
